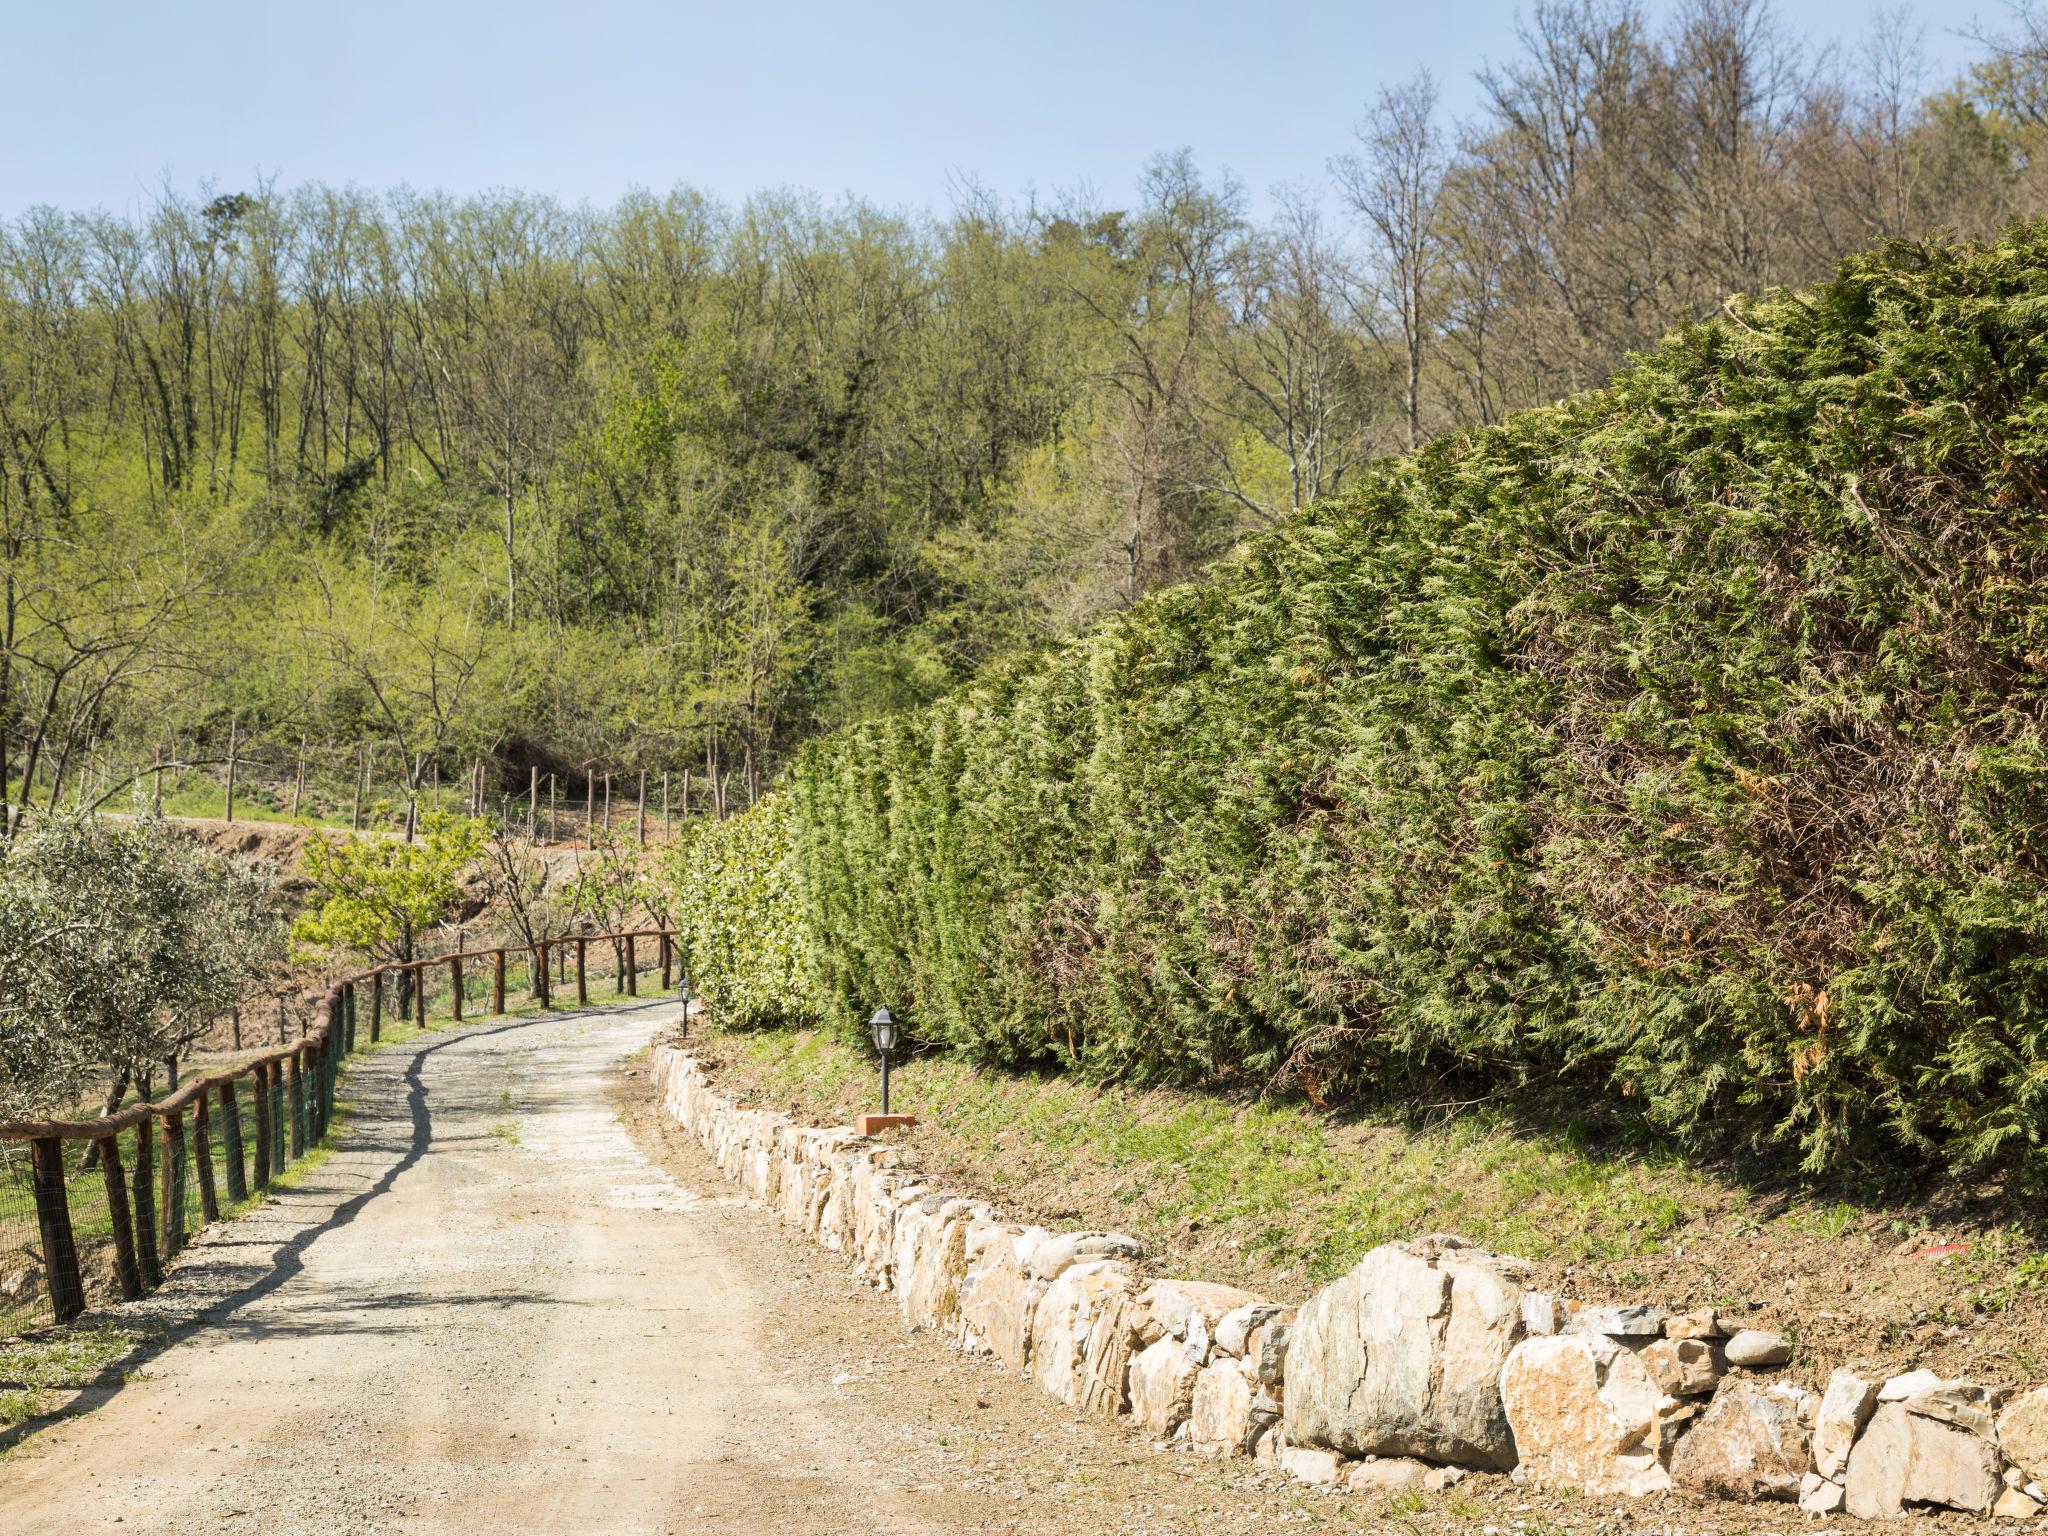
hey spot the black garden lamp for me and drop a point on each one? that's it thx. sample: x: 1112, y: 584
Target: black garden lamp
x: 882, y: 1027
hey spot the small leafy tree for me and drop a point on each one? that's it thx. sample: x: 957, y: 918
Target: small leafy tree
x: 379, y: 897
x: 117, y: 942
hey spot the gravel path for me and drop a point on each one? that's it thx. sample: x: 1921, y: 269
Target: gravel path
x: 487, y: 1312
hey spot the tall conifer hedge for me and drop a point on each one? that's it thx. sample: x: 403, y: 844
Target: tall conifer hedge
x: 1684, y: 742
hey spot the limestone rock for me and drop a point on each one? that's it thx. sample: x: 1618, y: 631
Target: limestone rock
x: 1754, y: 1347
x: 1700, y: 1323
x: 1172, y: 1303
x: 1824, y: 1498
x: 1235, y: 1328
x: 1220, y: 1419
x: 1055, y: 1254
x: 1307, y: 1464
x: 1541, y: 1313
x: 2023, y: 1433
x: 2016, y: 1504
x: 1684, y: 1367
x: 998, y: 1299
x: 1064, y: 1323
x: 1897, y: 1389
x: 1162, y: 1387
x: 1387, y: 1474
x: 1752, y: 1444
x: 1845, y: 1408
x: 1269, y: 1347
x: 1961, y: 1404
x: 1902, y: 1458
x: 1402, y: 1356
x: 1640, y: 1322
x: 1586, y: 1415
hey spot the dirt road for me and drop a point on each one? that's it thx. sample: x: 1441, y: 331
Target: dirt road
x: 512, y: 1303
x: 506, y: 1320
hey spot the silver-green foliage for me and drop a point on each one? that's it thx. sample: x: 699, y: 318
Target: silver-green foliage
x: 117, y: 941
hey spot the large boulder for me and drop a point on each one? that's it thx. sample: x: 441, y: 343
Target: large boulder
x: 1403, y: 1356
x: 1064, y: 1323
x: 997, y: 1298
x: 1220, y: 1422
x: 1586, y: 1414
x: 1903, y: 1458
x: 2023, y: 1434
x: 1753, y: 1443
x: 1162, y: 1387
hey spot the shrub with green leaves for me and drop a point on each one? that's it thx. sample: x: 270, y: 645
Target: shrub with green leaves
x: 738, y: 913
x: 1684, y: 741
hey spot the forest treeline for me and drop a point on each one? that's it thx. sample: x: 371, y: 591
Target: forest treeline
x: 505, y: 479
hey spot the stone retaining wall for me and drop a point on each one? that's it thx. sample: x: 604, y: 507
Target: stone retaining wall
x: 1428, y: 1360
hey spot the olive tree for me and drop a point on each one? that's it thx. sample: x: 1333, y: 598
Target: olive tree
x: 117, y: 942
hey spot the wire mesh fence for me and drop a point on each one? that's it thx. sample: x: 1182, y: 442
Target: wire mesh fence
x: 91, y: 1212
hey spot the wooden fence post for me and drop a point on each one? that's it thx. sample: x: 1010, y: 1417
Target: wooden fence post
x: 589, y: 807
x: 117, y: 1212
x: 53, y: 1217
x: 667, y: 962
x: 174, y: 1185
x: 259, y: 1082
x: 582, y: 983
x: 455, y: 975
x: 498, y: 982
x: 537, y: 969
x: 419, y: 994
x: 640, y: 812
x: 376, y: 1006
x: 278, y: 1119
x: 202, y: 1159
x: 142, y: 1182
x: 231, y: 1143
x: 298, y: 1103
x: 631, y: 968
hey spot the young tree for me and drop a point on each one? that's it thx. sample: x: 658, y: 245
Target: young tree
x: 379, y: 898
x: 518, y: 882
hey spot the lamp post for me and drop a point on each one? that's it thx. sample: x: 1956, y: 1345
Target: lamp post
x: 882, y: 1027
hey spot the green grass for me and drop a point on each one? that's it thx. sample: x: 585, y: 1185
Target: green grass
x: 34, y: 1371
x: 1300, y: 1191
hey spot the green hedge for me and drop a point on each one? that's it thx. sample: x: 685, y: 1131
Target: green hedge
x: 739, y: 919
x: 1683, y: 742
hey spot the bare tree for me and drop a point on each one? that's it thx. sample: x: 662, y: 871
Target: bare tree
x: 1396, y: 185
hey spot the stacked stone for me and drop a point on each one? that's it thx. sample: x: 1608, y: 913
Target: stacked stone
x: 1428, y: 1360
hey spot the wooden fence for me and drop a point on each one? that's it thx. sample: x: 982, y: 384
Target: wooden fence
x: 288, y: 1095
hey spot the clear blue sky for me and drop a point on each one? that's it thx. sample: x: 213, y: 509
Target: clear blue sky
x: 889, y: 100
